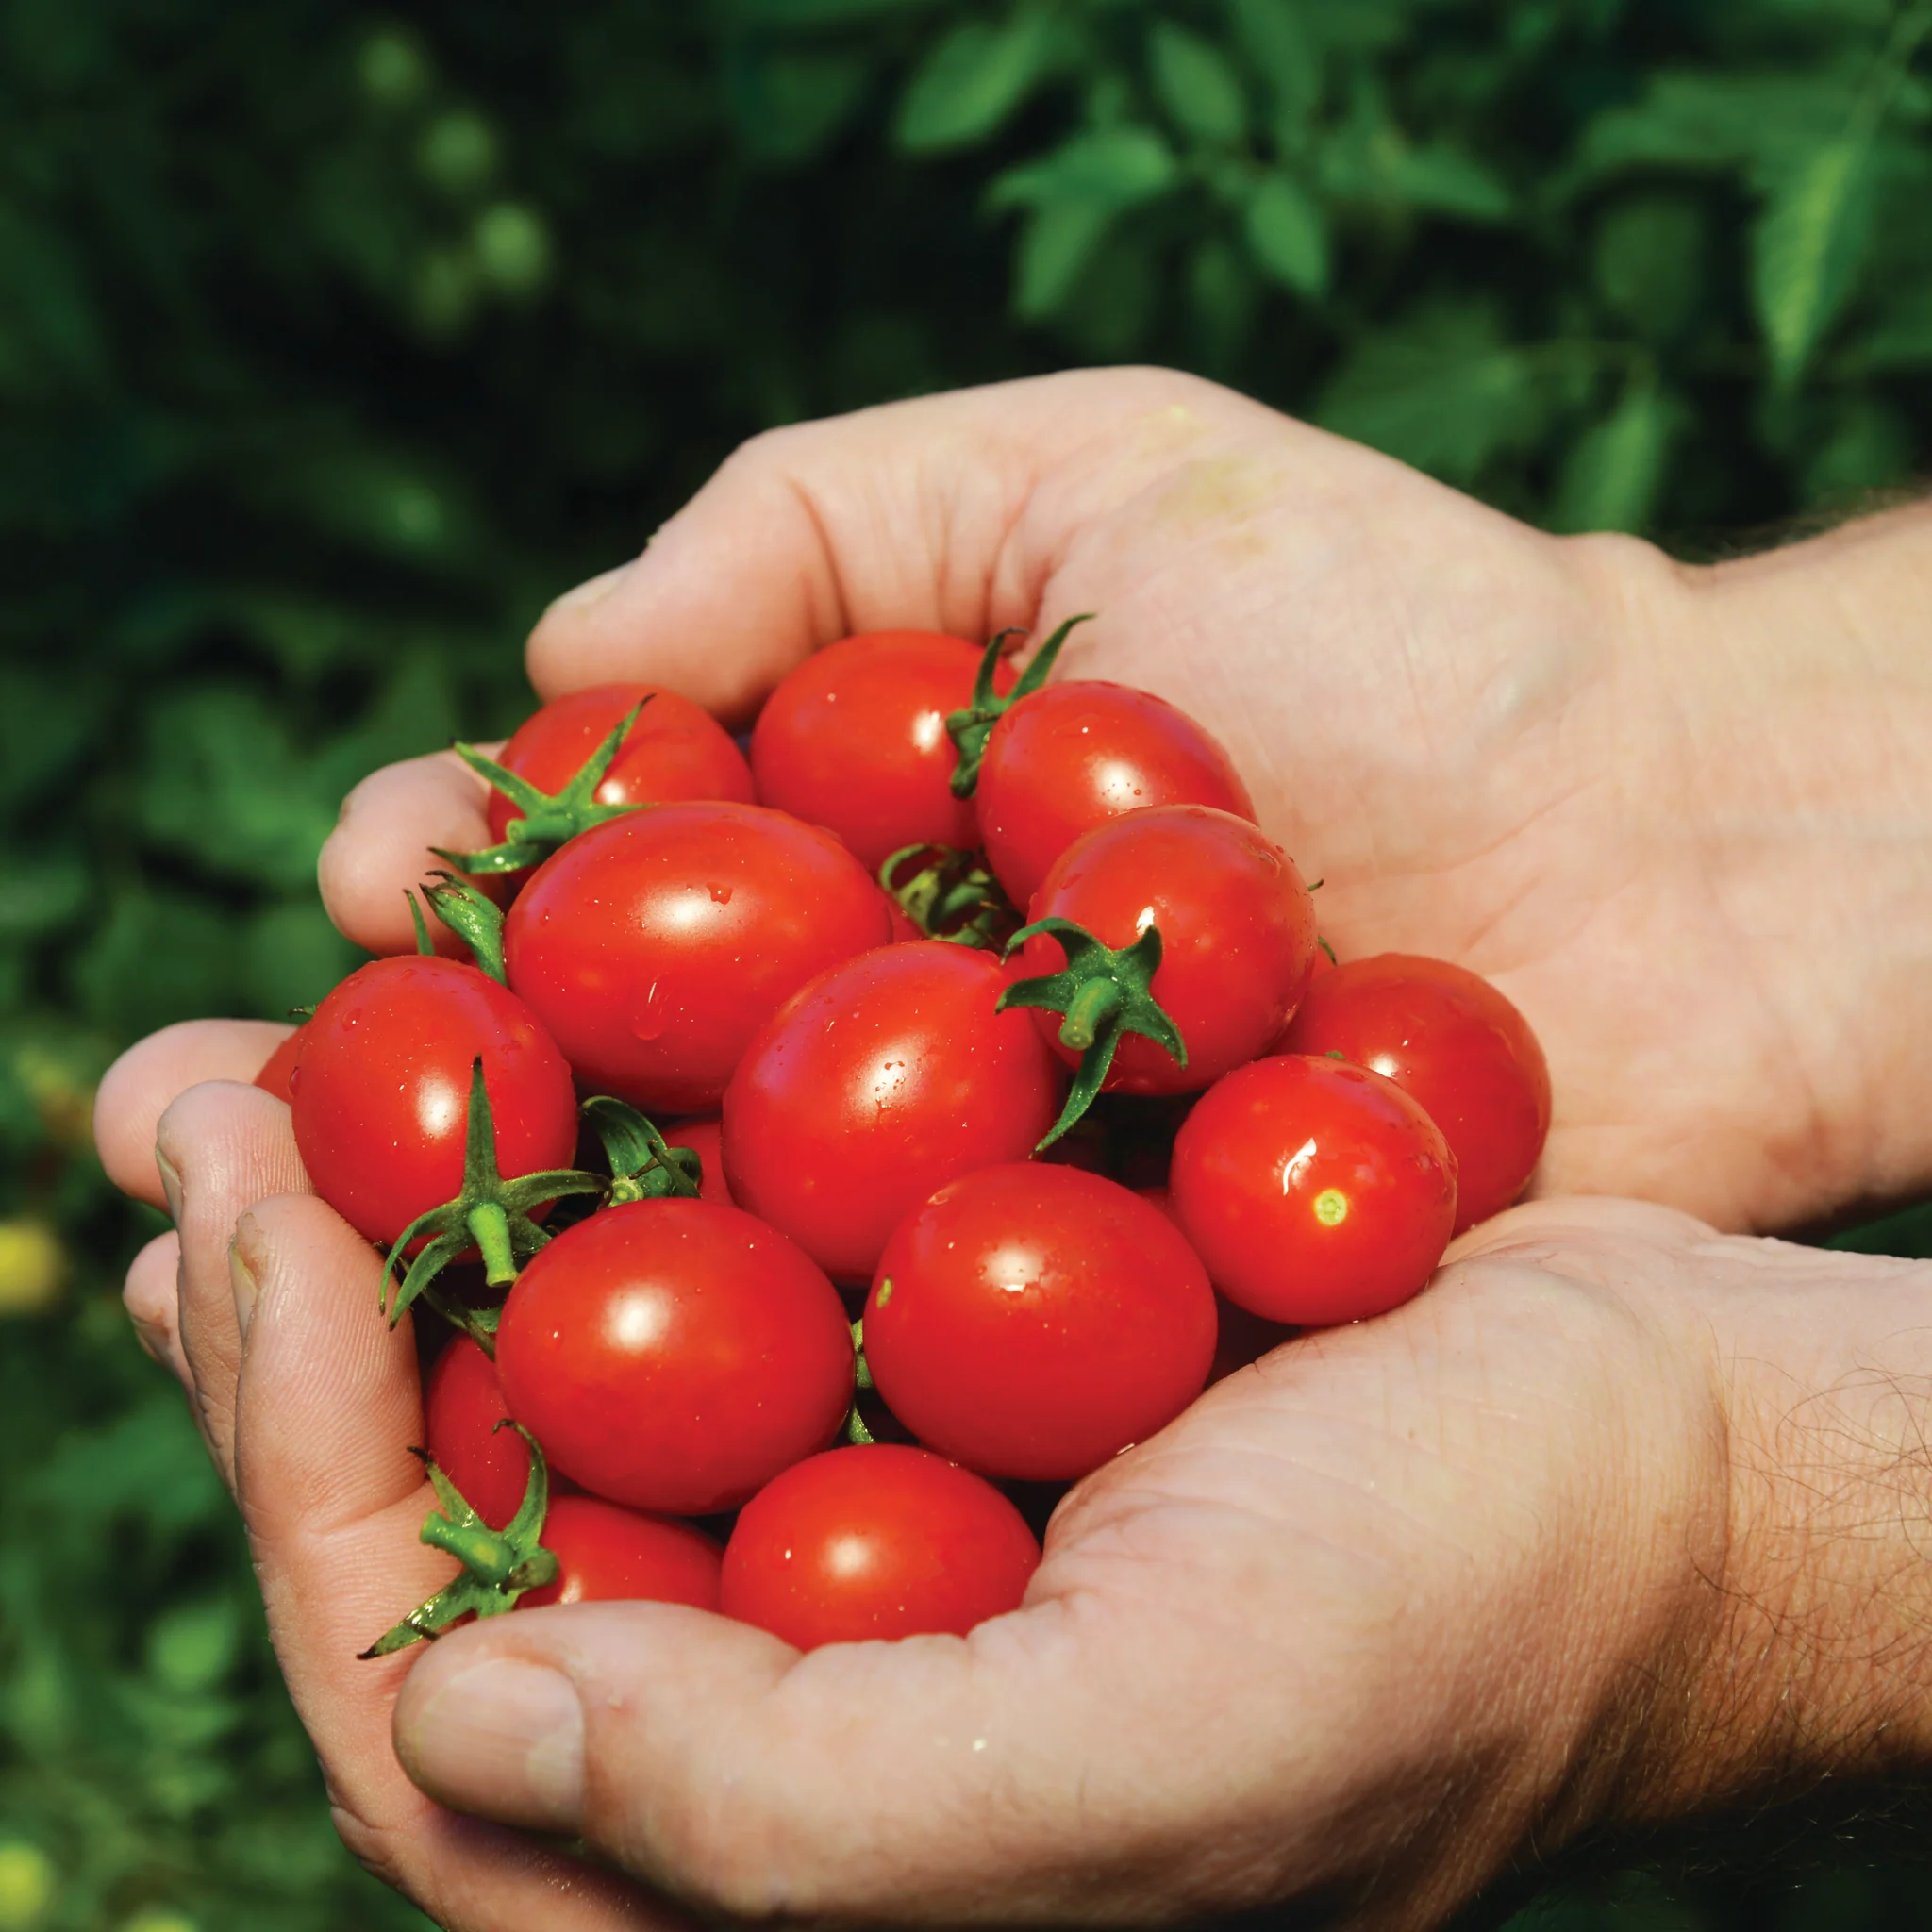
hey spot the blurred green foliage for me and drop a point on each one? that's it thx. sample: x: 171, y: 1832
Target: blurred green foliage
x: 333, y: 343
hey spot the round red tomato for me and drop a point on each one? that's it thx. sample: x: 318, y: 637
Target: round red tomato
x: 606, y: 1553
x: 381, y: 1092
x: 674, y: 1355
x: 1236, y: 930
x: 1448, y: 1039
x: 1315, y: 1191
x: 705, y: 1138
x: 1032, y: 1322
x: 881, y: 1541
x: 883, y: 1079
x: 462, y: 1404
x: 1069, y: 755
x: 278, y: 1074
x: 655, y: 945
x: 855, y: 739
x: 677, y: 749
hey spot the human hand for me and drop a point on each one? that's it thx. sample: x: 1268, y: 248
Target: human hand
x: 1616, y: 1521
x: 1680, y: 817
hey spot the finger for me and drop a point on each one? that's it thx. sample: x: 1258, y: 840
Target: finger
x: 138, y: 1088
x: 381, y: 847
x: 221, y: 1148
x: 328, y: 1402
x: 150, y: 1297
x: 934, y: 513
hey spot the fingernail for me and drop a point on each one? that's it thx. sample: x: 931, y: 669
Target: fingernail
x: 243, y: 1282
x: 171, y: 1185
x: 153, y: 1339
x: 593, y: 592
x: 505, y: 1737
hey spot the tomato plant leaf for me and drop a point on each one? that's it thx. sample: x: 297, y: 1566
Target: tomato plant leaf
x: 1807, y: 246
x: 1199, y: 90
x: 1288, y: 234
x: 972, y: 81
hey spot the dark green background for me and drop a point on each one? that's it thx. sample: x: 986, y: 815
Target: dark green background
x: 332, y: 344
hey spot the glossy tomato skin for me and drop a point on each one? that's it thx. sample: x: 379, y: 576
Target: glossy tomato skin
x: 462, y: 1403
x: 881, y: 1541
x: 677, y: 749
x: 674, y: 1356
x: 855, y: 739
x: 883, y: 1079
x: 381, y: 1091
x: 705, y: 1138
x: 654, y: 947
x: 1237, y: 930
x: 1448, y: 1039
x: 278, y: 1074
x: 1032, y: 1322
x: 606, y: 1554
x: 1315, y: 1191
x: 1069, y: 756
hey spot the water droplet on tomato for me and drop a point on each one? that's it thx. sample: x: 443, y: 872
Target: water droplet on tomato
x: 648, y: 1022
x: 721, y: 896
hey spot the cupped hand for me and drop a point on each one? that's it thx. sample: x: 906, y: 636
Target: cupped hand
x: 1603, y: 1526
x: 1565, y: 763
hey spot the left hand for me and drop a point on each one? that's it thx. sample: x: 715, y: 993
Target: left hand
x: 1603, y: 1527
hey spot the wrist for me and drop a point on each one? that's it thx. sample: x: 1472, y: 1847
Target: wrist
x: 1798, y: 684
x: 1812, y: 1656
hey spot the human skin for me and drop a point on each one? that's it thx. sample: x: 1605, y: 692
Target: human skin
x: 1613, y: 1524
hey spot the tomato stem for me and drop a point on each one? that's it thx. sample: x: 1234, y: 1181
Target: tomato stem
x: 546, y: 819
x: 489, y: 1224
x: 499, y: 1565
x: 950, y: 895
x: 1104, y: 995
x: 971, y: 726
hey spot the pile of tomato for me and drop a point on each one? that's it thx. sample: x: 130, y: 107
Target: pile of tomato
x: 814, y: 1156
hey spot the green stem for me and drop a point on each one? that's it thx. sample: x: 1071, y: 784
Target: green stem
x: 490, y: 1226
x: 482, y: 1552
x: 1088, y: 1011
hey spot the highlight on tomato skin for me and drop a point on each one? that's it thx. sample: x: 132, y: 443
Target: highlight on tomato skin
x: 608, y: 1553
x: 883, y: 1078
x: 1033, y: 1321
x: 1070, y: 755
x: 675, y: 750
x: 674, y: 1355
x: 655, y: 945
x: 854, y: 738
x: 881, y: 1541
x: 381, y: 1092
x: 1314, y: 1190
x: 1455, y: 1044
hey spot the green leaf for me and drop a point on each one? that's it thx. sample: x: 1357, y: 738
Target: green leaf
x: 1900, y: 337
x: 1441, y: 390
x: 1703, y: 121
x: 1807, y: 246
x: 1648, y: 261
x: 1610, y: 478
x: 972, y: 81
x: 1197, y: 87
x: 1277, y: 47
x: 1866, y: 446
x: 1447, y: 180
x: 1288, y: 234
x: 1074, y: 196
x: 791, y: 107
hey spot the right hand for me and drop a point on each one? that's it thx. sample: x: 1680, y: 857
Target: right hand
x: 1607, y: 783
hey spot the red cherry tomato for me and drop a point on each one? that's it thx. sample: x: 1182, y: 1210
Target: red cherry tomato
x: 674, y: 1355
x: 1069, y: 755
x: 606, y: 1553
x: 855, y: 739
x: 382, y: 1089
x: 883, y: 1079
x: 1315, y: 1191
x: 654, y: 947
x: 677, y: 749
x: 1032, y: 1322
x: 1449, y: 1040
x: 462, y: 1403
x: 705, y: 1138
x: 1239, y: 1338
x: 1237, y: 930
x: 880, y: 1541
x: 277, y: 1076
